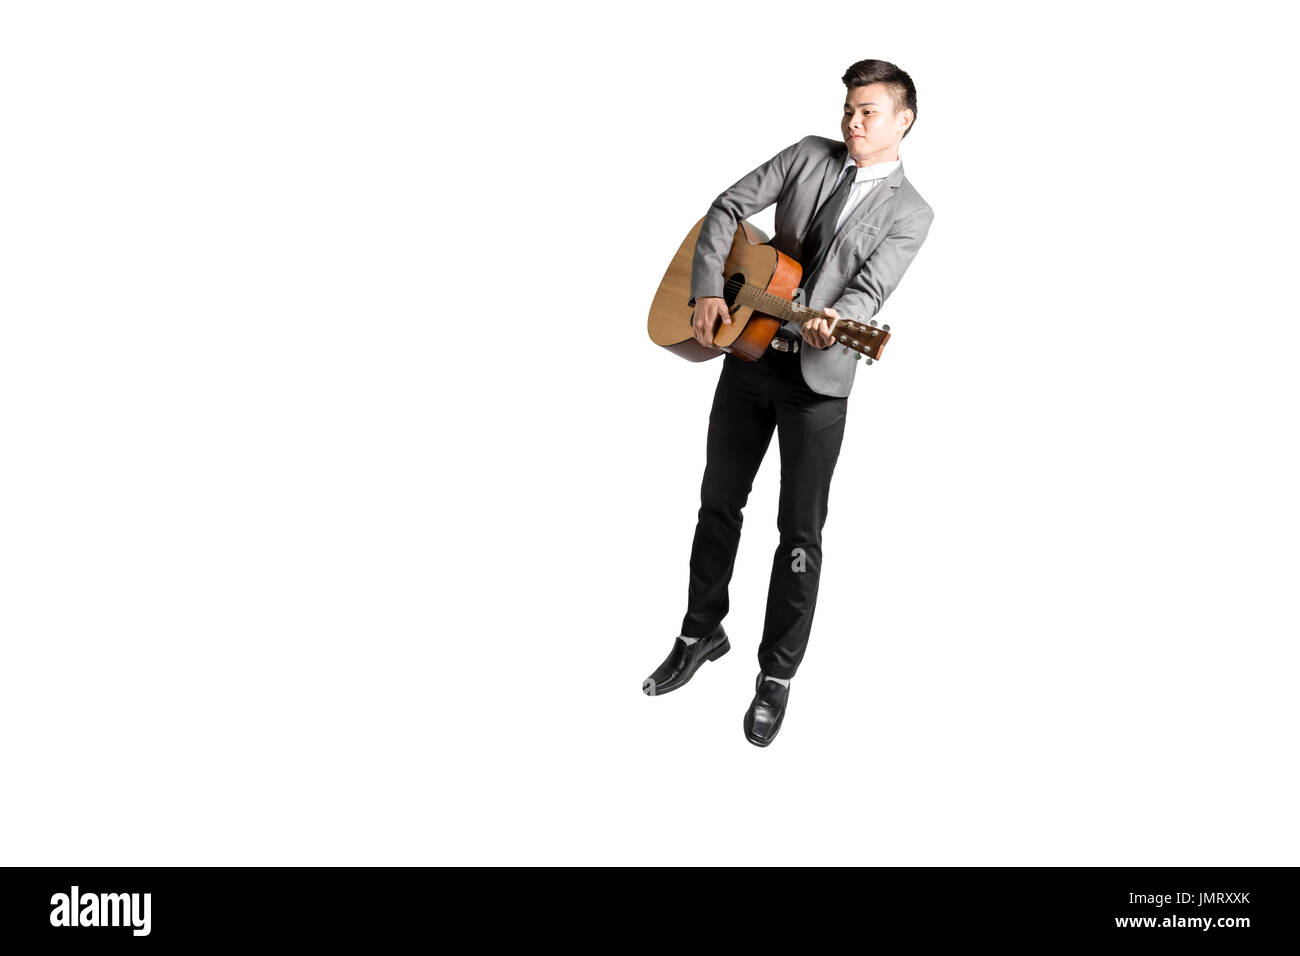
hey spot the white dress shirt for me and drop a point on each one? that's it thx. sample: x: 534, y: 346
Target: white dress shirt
x: 865, y: 181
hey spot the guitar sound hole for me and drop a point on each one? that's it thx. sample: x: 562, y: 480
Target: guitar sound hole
x: 734, y: 284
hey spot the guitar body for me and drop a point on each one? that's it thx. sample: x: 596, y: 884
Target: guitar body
x: 752, y: 265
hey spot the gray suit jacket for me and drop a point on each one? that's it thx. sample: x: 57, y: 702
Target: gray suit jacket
x: 865, y: 261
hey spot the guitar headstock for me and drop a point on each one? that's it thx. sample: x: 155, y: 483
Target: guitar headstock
x: 864, y: 338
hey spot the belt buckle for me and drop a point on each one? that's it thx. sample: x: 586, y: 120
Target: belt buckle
x: 782, y: 344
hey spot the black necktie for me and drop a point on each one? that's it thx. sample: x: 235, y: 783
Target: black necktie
x: 822, y: 230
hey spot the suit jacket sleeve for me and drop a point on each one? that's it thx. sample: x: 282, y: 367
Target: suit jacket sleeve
x: 884, y: 268
x: 752, y: 193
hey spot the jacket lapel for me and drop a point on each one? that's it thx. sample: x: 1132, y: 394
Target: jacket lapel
x: 829, y: 175
x: 880, y: 193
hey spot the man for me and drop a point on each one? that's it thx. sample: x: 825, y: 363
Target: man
x: 848, y: 215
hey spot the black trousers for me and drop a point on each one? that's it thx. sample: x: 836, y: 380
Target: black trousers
x: 752, y: 399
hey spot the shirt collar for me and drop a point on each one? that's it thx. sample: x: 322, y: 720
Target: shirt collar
x: 874, y: 171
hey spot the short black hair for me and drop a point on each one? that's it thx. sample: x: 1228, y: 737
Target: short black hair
x: 900, y: 85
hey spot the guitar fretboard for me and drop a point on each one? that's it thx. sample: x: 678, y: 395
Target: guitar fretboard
x: 763, y: 301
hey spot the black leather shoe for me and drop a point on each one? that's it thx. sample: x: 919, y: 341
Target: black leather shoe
x: 682, y: 662
x: 763, y: 719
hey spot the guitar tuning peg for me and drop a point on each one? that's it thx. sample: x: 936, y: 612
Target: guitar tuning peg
x: 846, y: 350
x: 857, y: 356
x: 885, y: 328
x: 869, y: 360
x: 873, y: 322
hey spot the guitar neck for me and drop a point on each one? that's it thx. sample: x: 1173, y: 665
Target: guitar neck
x: 762, y: 301
x: 866, y: 339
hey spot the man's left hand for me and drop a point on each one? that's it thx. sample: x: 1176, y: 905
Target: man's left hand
x: 817, y: 332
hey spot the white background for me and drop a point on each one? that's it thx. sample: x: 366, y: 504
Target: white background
x: 347, y: 504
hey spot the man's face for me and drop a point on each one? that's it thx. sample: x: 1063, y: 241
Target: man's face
x: 871, y: 128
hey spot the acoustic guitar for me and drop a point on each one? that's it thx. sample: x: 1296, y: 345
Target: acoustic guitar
x: 760, y: 285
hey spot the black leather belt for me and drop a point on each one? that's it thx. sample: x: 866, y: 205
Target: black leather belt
x: 784, y: 343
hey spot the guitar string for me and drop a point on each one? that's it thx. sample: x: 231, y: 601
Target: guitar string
x: 784, y: 306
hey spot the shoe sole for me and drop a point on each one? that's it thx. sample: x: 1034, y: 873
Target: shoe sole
x: 648, y: 685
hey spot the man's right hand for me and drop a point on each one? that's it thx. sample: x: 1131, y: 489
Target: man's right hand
x: 708, y: 309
